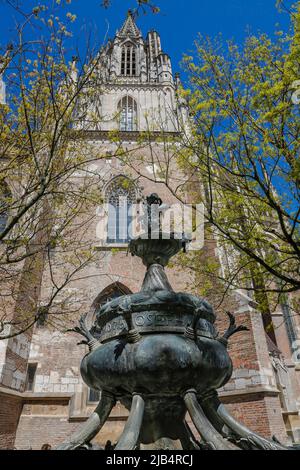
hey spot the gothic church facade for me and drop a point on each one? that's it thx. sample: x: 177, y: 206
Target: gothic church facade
x: 43, y: 398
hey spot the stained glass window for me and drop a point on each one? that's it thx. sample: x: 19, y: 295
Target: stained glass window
x: 128, y: 114
x: 120, y: 196
x: 128, y: 61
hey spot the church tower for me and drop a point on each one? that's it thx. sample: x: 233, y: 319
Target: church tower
x: 138, y: 89
x: 134, y: 111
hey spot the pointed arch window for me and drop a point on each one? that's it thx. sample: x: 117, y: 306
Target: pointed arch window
x: 111, y: 292
x: 4, y: 205
x: 128, y: 61
x: 120, y: 196
x: 128, y: 114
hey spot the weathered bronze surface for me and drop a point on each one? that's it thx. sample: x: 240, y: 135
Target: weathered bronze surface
x: 159, y: 354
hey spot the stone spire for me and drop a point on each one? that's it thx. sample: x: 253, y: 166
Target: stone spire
x: 129, y: 28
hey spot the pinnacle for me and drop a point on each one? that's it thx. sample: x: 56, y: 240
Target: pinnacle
x: 129, y: 28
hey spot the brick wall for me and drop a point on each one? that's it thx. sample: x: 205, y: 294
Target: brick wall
x: 10, y: 411
x: 35, y: 431
x: 49, y: 423
x: 258, y: 412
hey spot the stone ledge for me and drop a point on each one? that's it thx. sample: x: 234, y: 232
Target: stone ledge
x: 10, y: 392
x: 58, y: 416
x: 125, y: 136
x: 291, y: 413
x: 80, y: 418
x: 107, y: 248
x: 30, y: 396
x: 268, y: 391
x: 277, y: 314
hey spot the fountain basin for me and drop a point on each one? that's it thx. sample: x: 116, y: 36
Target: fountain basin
x: 160, y: 364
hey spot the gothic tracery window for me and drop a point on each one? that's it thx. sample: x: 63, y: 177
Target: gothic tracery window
x: 120, y: 197
x: 4, y: 205
x: 111, y: 292
x: 128, y: 114
x: 128, y: 60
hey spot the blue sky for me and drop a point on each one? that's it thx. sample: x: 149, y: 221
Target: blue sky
x: 178, y: 23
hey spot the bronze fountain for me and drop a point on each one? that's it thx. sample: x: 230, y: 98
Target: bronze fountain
x: 159, y: 354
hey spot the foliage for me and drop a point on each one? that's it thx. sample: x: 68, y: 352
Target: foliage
x: 50, y: 189
x: 245, y: 150
x: 142, y: 6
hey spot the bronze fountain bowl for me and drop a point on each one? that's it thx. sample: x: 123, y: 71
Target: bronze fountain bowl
x: 159, y: 354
